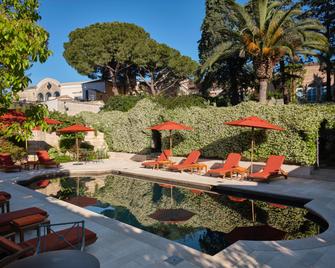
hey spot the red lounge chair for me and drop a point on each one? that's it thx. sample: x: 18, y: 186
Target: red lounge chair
x: 186, y: 164
x: 162, y: 159
x: 49, y: 242
x: 7, y: 163
x: 232, y: 161
x: 45, y: 160
x: 7, y: 218
x: 271, y: 169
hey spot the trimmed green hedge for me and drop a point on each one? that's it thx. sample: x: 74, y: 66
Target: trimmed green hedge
x: 127, y: 131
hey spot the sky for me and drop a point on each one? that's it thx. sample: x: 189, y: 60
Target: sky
x: 173, y: 22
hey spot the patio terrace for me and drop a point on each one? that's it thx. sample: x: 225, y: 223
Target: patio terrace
x: 121, y: 245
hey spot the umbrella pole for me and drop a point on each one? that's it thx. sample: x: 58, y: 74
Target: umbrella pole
x: 171, y: 196
x: 170, y: 140
x: 77, y: 147
x: 253, y: 211
x: 252, y: 149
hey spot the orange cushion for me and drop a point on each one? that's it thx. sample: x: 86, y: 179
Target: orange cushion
x: 6, y: 218
x: 9, y: 245
x: 52, y: 241
x: 28, y: 220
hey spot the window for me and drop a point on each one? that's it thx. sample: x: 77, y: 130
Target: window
x: 40, y: 97
x: 47, y: 96
x: 56, y: 94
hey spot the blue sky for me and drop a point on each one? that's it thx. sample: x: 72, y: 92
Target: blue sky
x: 174, y: 22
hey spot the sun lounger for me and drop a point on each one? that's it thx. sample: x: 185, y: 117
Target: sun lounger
x: 162, y: 159
x: 64, y: 239
x: 188, y: 163
x: 6, y: 219
x: 7, y: 164
x: 232, y: 162
x: 45, y: 160
x: 271, y: 169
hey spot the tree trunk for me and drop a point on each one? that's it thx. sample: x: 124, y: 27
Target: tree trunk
x: 152, y: 85
x: 264, y: 69
x: 328, y: 82
x: 114, y: 86
x: 263, y: 87
x: 283, y: 86
x: 234, y: 94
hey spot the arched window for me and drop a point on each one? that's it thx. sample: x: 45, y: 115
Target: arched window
x: 40, y: 97
x: 47, y: 96
x: 56, y: 94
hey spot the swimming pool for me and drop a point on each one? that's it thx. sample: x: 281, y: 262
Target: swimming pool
x: 205, y: 221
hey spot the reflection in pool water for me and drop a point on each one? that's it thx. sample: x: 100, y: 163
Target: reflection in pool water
x: 211, y: 221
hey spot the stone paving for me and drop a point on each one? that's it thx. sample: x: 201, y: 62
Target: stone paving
x: 121, y: 245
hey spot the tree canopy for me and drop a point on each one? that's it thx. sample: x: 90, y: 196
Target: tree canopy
x: 233, y: 73
x: 22, y: 42
x: 124, y: 54
x: 265, y: 31
x: 324, y: 11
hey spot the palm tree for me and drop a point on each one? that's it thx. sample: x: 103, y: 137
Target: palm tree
x: 266, y: 31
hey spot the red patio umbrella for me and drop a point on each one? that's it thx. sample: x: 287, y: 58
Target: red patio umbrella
x: 13, y: 116
x: 253, y: 122
x: 75, y: 129
x: 170, y: 125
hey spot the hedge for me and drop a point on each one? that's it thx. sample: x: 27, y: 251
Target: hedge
x: 127, y: 131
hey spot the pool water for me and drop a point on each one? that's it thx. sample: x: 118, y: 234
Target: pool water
x: 204, y: 221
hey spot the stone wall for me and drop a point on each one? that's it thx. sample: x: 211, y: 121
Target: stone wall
x: 44, y: 141
x: 74, y: 107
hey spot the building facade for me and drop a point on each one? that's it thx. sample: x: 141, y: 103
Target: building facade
x: 50, y: 88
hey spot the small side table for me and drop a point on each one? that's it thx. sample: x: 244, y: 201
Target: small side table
x: 31, y: 164
x: 199, y: 167
x: 59, y: 258
x: 165, y: 164
x: 240, y: 171
x: 28, y: 223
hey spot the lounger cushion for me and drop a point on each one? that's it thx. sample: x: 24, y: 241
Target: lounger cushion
x: 6, y: 218
x: 28, y: 220
x: 9, y: 245
x: 53, y: 242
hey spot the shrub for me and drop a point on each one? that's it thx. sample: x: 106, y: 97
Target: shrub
x: 180, y: 101
x: 59, y: 156
x: 7, y: 146
x: 127, y: 131
x: 121, y: 103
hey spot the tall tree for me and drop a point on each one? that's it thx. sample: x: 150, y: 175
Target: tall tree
x: 124, y: 53
x: 266, y: 31
x: 324, y: 11
x: 22, y: 42
x: 104, y: 50
x: 231, y: 73
x: 160, y: 67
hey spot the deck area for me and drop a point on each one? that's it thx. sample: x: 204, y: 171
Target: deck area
x: 121, y: 245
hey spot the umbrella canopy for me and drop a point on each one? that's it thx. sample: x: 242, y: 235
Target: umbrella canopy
x: 170, y: 125
x: 82, y: 201
x: 172, y: 215
x: 75, y: 129
x: 253, y: 122
x: 50, y: 121
x: 257, y: 233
